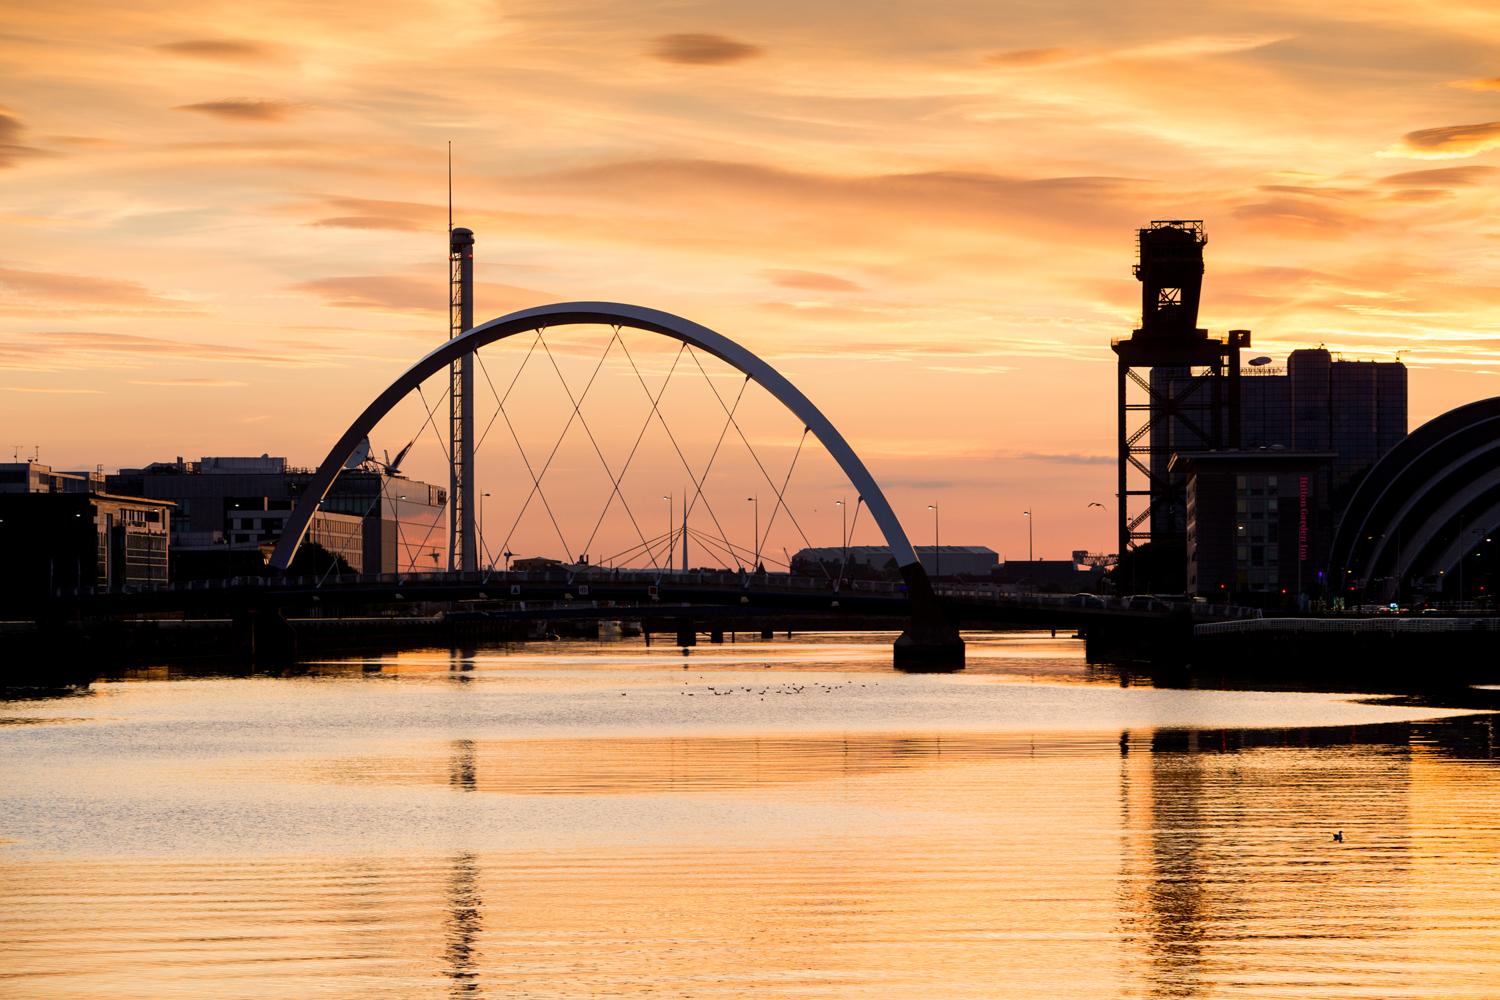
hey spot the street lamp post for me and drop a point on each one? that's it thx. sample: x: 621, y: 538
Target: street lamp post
x: 756, y: 500
x: 1030, y: 537
x: 488, y: 562
x: 844, y: 531
x: 937, y: 542
x: 397, y: 507
x: 668, y: 560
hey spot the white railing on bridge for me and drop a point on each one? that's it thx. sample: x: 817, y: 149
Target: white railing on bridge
x: 1384, y: 624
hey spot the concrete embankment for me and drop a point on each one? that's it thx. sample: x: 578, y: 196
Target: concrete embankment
x: 1350, y: 645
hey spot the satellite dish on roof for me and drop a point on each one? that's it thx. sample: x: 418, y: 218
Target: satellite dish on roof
x: 359, y: 455
x: 1262, y: 360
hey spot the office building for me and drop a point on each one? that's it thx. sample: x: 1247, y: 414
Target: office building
x: 1257, y: 522
x: 70, y: 541
x: 229, y: 509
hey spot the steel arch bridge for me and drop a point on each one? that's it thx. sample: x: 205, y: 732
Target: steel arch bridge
x: 930, y: 632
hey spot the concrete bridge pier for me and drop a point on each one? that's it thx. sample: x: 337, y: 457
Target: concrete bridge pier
x: 687, y: 633
x: 931, y: 643
x: 263, y: 635
x: 716, y: 636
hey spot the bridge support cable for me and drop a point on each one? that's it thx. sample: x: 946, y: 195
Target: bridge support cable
x: 499, y: 399
x: 489, y: 554
x: 761, y: 466
x: 646, y: 548
x: 707, y: 540
x: 781, y: 504
x: 844, y: 560
x: 614, y: 480
x: 447, y: 457
x: 656, y: 412
x: 536, y: 477
x: 723, y: 432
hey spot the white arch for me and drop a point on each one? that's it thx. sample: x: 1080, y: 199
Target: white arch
x: 613, y: 314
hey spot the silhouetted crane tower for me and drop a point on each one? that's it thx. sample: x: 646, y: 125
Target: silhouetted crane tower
x: 1189, y: 397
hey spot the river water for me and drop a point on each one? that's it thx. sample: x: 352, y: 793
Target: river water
x: 776, y: 820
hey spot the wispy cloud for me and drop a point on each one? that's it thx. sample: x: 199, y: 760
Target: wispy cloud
x: 814, y: 281
x: 1449, y: 141
x: 340, y: 212
x: 1029, y: 57
x: 74, y: 348
x: 236, y: 49
x: 1062, y: 458
x: 46, y: 390
x: 401, y: 294
x: 189, y: 383
x: 246, y: 110
x: 12, y: 149
x: 701, y: 49
x: 1442, y: 177
x: 33, y: 292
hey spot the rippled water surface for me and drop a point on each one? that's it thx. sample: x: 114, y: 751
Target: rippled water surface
x: 777, y: 820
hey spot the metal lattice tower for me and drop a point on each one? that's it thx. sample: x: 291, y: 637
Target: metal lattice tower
x: 462, y: 553
x: 1189, y: 396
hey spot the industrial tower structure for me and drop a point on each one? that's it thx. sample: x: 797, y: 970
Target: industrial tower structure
x: 463, y: 555
x: 1189, y: 398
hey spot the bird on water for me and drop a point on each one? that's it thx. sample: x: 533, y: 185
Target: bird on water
x: 1338, y: 837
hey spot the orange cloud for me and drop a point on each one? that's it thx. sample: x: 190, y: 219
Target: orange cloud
x: 1301, y: 214
x: 1441, y: 177
x: 218, y: 48
x: 57, y: 344
x: 695, y: 49
x: 1450, y: 141
x: 243, y: 110
x: 1483, y: 83
x: 11, y: 147
x: 195, y: 383
x: 52, y: 293
x: 394, y: 293
x: 811, y: 281
x: 1028, y: 57
x: 370, y: 213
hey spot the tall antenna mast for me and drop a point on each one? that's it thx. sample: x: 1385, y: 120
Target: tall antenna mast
x: 462, y: 553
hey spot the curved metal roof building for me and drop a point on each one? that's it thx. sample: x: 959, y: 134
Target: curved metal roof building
x: 1430, y: 500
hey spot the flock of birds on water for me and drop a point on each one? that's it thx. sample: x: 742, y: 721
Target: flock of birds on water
x: 777, y: 689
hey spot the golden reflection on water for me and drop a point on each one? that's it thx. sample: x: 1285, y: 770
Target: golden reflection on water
x: 1150, y: 864
x: 580, y: 824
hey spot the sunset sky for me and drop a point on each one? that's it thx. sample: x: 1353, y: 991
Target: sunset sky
x: 225, y: 223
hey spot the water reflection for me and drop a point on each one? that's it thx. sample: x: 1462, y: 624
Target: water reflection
x: 462, y: 767
x: 465, y: 921
x: 408, y: 836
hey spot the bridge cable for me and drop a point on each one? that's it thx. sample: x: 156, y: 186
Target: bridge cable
x: 769, y: 481
x: 614, y: 480
x: 656, y: 411
x: 781, y: 499
x: 698, y: 481
x: 723, y: 433
x: 500, y: 400
x: 431, y: 423
x: 536, y: 478
x: 844, y: 560
x: 705, y: 539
